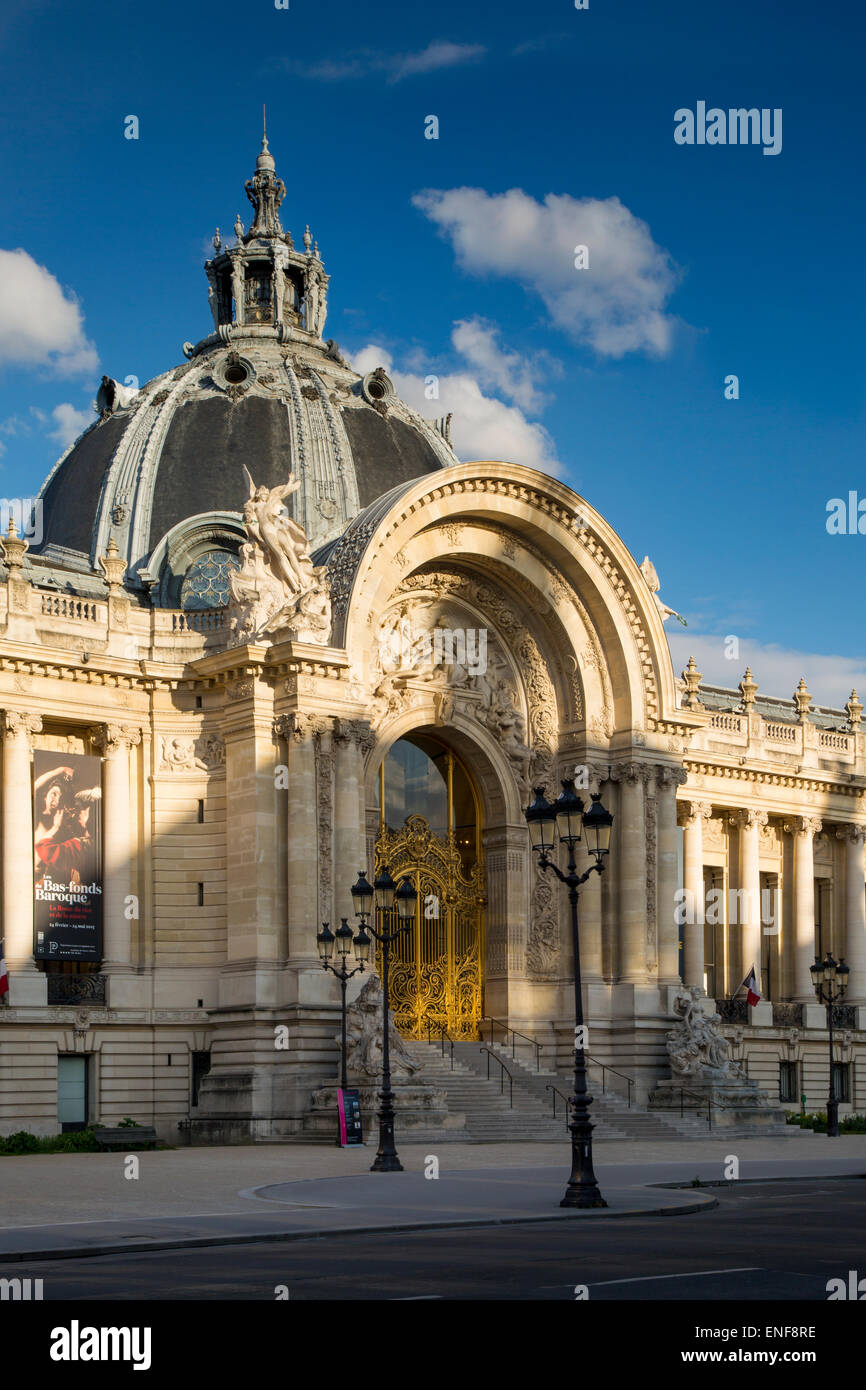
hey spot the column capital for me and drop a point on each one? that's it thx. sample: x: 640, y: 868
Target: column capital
x: 688, y: 812
x: 17, y: 724
x: 851, y: 832
x: 671, y: 777
x: 802, y: 825
x: 356, y: 731
x: 114, y: 739
x: 298, y: 725
x: 749, y: 820
x: 633, y: 772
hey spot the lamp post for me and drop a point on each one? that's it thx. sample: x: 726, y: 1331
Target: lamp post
x: 393, y: 910
x: 565, y: 820
x: 344, y: 941
x: 831, y: 981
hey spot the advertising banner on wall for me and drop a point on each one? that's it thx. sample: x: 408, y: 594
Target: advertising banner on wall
x: 67, y: 856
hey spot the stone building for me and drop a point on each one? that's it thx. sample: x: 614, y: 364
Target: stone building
x: 380, y: 675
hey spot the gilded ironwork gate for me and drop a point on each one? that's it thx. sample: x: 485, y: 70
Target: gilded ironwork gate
x: 435, y: 975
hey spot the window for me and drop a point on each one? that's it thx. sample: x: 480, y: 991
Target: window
x: 788, y: 1089
x: 842, y: 1080
x: 206, y: 582
x: 200, y: 1069
x: 72, y: 1095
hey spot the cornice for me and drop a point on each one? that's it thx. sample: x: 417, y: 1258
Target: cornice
x: 804, y: 782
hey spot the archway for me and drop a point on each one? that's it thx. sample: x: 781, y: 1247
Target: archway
x: 430, y: 830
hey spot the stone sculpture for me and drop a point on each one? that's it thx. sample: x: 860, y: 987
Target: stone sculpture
x: 277, y: 587
x: 364, y: 1038
x: 695, y: 1046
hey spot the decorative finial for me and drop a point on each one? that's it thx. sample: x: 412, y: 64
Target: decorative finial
x: 802, y: 699
x: 15, y: 547
x: 692, y: 677
x: 854, y: 709
x: 315, y: 248
x: 217, y: 240
x: 748, y: 688
x: 239, y: 227
x: 308, y: 240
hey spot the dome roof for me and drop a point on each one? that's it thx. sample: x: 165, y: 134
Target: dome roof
x: 163, y: 472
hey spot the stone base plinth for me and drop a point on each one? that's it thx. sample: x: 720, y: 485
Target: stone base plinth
x: 736, y: 1103
x: 419, y: 1112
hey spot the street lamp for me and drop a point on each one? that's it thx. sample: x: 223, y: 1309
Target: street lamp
x: 565, y: 820
x: 343, y: 940
x: 393, y: 910
x: 831, y: 981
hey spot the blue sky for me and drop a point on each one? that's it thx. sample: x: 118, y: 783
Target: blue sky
x: 704, y: 261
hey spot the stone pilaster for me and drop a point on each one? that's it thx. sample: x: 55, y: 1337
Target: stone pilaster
x: 667, y: 929
x: 513, y: 879
x: 748, y: 923
x: 27, y: 984
x: 631, y: 861
x: 692, y: 817
x: 114, y: 742
x: 351, y: 737
x: 302, y: 838
x: 855, y: 912
x: 804, y: 830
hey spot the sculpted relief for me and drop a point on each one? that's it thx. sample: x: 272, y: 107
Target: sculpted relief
x: 430, y: 647
x: 277, y: 589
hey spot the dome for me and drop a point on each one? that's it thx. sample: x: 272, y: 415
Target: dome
x: 165, y: 472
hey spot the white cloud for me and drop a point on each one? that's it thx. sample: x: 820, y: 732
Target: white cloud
x: 395, y: 67
x: 498, y: 368
x: 69, y: 423
x: 436, y: 55
x: 482, y: 428
x: 776, y: 669
x: 40, y: 324
x: 617, y: 305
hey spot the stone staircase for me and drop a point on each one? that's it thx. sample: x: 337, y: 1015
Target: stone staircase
x: 490, y: 1119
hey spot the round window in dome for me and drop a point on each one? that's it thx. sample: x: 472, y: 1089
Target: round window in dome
x: 235, y: 374
x: 206, y: 582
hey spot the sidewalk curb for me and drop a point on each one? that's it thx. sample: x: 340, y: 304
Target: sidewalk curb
x: 199, y: 1242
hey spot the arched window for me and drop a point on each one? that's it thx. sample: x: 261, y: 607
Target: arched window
x: 206, y: 582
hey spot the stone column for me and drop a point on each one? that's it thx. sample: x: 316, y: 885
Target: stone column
x: 114, y: 742
x: 748, y: 923
x: 855, y: 912
x: 18, y: 730
x: 668, y: 779
x: 303, y: 823
x: 692, y: 817
x: 631, y: 864
x: 804, y: 830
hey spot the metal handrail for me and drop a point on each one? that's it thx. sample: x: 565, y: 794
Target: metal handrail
x: 563, y: 1096
x: 604, y: 1068
x: 503, y: 1068
x: 514, y: 1034
x: 444, y: 1038
x: 718, y: 1104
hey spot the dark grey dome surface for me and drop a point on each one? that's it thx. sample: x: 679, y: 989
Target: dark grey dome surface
x: 201, y: 464
x: 70, y: 500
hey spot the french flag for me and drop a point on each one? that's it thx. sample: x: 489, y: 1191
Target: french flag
x: 753, y: 996
x: 4, y: 975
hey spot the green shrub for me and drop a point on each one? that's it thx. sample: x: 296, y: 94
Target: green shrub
x: 77, y: 1141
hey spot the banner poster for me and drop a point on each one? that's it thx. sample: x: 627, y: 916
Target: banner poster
x: 67, y: 856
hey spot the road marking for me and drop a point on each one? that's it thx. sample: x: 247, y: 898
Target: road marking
x: 694, y: 1274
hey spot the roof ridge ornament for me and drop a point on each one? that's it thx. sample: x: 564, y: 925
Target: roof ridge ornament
x: 266, y: 192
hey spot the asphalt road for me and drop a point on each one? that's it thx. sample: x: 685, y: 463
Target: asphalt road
x: 775, y: 1240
